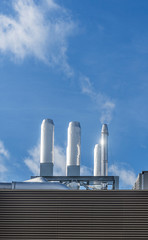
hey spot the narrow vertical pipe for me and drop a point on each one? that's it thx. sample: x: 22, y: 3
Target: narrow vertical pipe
x: 73, y: 149
x: 104, y: 150
x: 47, y: 148
x: 97, y: 160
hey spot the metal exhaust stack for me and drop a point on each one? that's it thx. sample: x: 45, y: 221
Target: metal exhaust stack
x: 73, y: 149
x: 97, y: 160
x: 104, y: 150
x: 47, y: 148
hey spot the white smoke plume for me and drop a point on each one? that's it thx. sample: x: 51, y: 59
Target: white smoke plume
x: 103, y: 104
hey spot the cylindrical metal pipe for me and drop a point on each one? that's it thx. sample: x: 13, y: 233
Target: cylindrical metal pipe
x: 97, y: 160
x: 73, y: 149
x: 38, y: 185
x: 104, y: 150
x: 47, y: 148
x: 33, y: 185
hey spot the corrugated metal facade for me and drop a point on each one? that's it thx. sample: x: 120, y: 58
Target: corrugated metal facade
x: 69, y: 215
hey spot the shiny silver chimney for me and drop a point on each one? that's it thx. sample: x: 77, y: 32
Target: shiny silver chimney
x: 47, y: 148
x: 97, y: 160
x: 104, y: 150
x: 73, y: 149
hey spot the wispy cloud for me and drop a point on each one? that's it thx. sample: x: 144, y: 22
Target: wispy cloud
x: 59, y: 161
x: 103, y: 103
x: 86, y: 171
x: 127, y: 176
x: 4, y: 156
x: 33, y: 162
x: 3, y: 151
x: 38, y: 29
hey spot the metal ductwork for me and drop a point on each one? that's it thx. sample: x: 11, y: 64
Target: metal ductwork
x: 33, y: 185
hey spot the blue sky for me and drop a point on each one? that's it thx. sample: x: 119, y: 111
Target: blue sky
x: 81, y: 60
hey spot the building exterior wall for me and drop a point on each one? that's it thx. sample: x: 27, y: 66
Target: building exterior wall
x: 145, y: 180
x: 56, y: 214
x: 138, y: 183
x: 141, y: 181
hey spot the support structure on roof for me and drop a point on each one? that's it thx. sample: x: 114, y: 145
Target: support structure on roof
x: 88, y: 182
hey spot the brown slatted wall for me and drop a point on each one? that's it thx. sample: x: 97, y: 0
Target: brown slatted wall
x: 73, y: 214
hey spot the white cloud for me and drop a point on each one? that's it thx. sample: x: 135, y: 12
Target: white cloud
x: 3, y: 151
x: 38, y: 29
x: 127, y: 177
x: 3, y: 168
x: 52, y: 4
x: 86, y: 171
x: 59, y: 161
x: 104, y: 105
x: 4, y: 156
x: 33, y: 160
